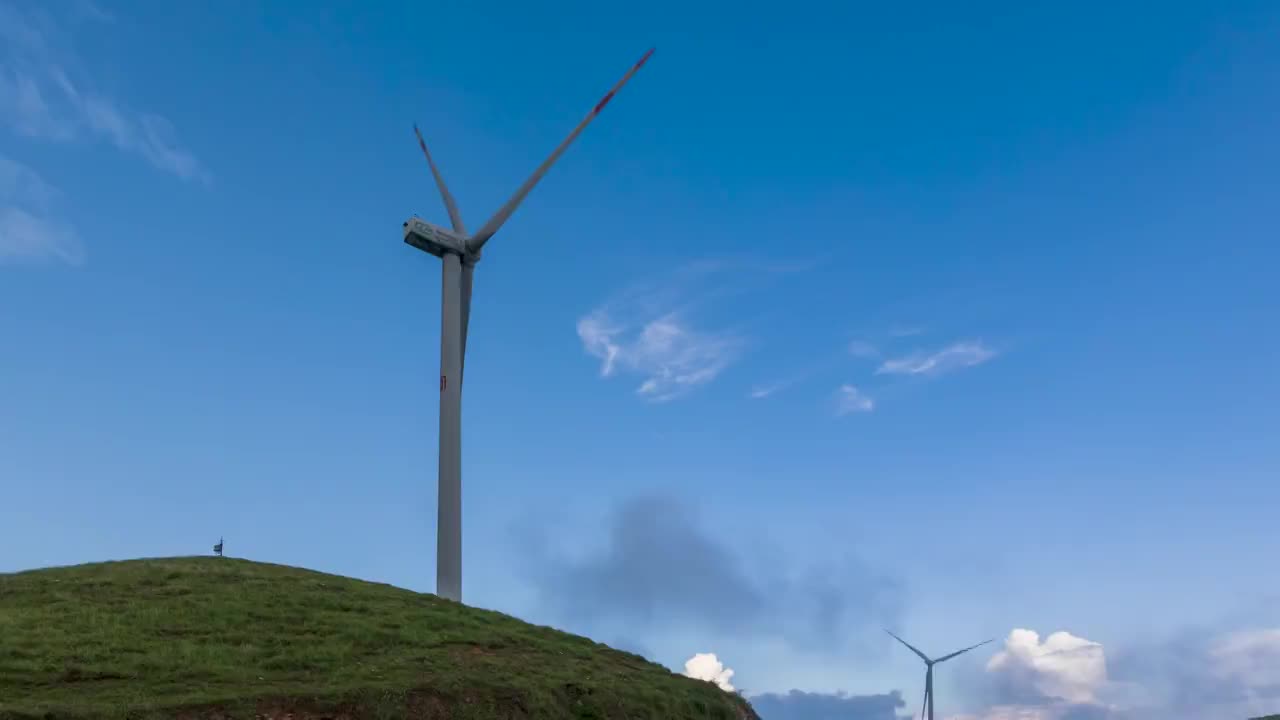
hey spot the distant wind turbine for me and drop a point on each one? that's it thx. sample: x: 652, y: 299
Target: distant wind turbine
x: 928, y: 675
x: 459, y: 253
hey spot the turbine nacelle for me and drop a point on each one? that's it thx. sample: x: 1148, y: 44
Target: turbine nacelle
x: 433, y: 239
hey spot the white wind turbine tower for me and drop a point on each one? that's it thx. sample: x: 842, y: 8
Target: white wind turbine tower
x: 459, y: 253
x: 928, y: 675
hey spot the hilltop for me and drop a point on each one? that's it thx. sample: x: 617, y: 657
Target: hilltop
x: 211, y: 637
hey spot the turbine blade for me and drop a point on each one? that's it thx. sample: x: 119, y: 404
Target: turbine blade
x: 504, y: 213
x: 910, y: 647
x: 468, y: 270
x: 961, y: 652
x: 455, y: 216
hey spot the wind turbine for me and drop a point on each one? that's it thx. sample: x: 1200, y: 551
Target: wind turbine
x: 459, y: 253
x: 928, y: 674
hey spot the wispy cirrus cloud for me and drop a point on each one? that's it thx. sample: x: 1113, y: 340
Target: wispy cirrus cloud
x: 953, y: 357
x: 89, y: 10
x: 46, y: 94
x: 673, y: 356
x: 850, y: 399
x: 659, y: 333
x: 760, y: 392
x: 856, y: 348
x: 29, y: 229
x: 900, y: 331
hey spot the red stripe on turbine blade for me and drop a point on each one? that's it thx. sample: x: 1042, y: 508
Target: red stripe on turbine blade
x: 609, y: 96
x: 603, y: 101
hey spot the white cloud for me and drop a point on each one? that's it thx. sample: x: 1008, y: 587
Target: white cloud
x: 29, y: 231
x: 647, y: 333
x: 850, y: 399
x: 1063, y: 666
x: 764, y: 390
x: 706, y: 666
x: 1248, y: 657
x: 21, y: 184
x: 1058, y: 678
x: 88, y: 10
x: 1192, y: 675
x: 25, y: 108
x: 759, y: 392
x: 673, y: 357
x: 1013, y: 712
x: 952, y: 357
x: 25, y: 238
x: 40, y: 99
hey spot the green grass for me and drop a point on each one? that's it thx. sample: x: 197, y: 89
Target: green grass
x: 218, y: 637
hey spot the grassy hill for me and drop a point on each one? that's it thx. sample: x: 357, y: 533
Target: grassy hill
x: 222, y: 638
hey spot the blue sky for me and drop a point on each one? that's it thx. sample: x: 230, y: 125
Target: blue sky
x: 966, y: 312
